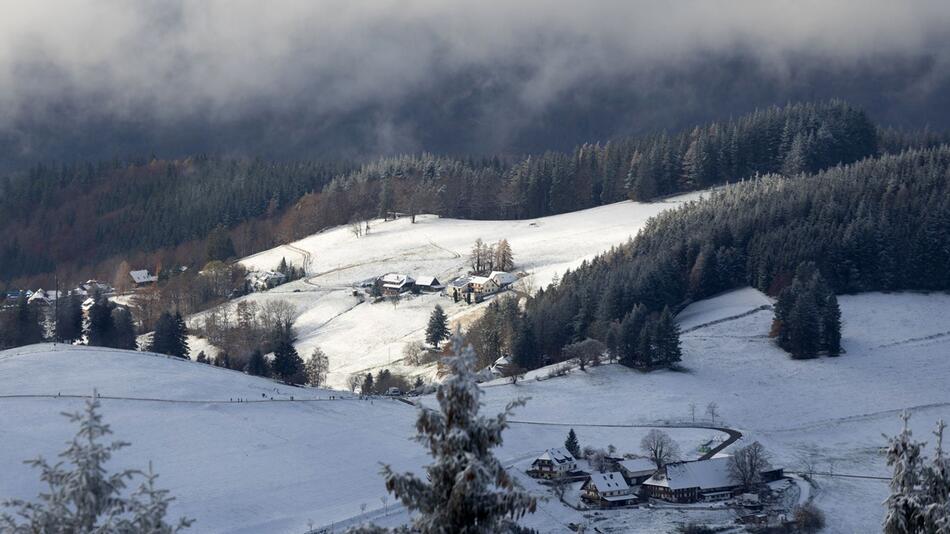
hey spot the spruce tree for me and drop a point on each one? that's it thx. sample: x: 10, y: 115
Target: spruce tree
x: 438, y: 327
x: 123, y: 331
x: 905, y: 513
x: 257, y: 365
x: 668, y: 339
x: 100, y: 331
x: 572, y: 445
x: 81, y: 496
x: 170, y: 336
x: 466, y: 489
x: 69, y: 319
x: 287, y: 363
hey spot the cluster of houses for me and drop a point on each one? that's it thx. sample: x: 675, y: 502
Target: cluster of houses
x: 629, y: 481
x: 43, y: 297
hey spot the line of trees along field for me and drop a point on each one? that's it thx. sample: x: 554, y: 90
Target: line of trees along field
x: 84, y: 219
x: 879, y: 224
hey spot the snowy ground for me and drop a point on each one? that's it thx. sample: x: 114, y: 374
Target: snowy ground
x: 275, y: 466
x: 359, y: 337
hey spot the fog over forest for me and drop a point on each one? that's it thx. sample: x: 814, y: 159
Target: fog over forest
x: 297, y: 79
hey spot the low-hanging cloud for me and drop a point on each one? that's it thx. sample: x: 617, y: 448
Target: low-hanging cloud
x: 304, y: 64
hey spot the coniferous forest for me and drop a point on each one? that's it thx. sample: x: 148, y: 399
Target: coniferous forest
x: 84, y: 219
x: 879, y: 224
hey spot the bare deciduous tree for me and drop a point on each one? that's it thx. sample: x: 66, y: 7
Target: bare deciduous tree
x: 660, y: 448
x: 712, y: 410
x: 747, y: 464
x: 585, y: 352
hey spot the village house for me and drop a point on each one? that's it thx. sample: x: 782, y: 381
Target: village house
x: 142, y: 277
x: 395, y: 284
x: 636, y: 470
x: 264, y: 280
x: 429, y: 284
x: 693, y: 481
x: 553, y: 463
x: 607, y: 490
x: 502, y: 279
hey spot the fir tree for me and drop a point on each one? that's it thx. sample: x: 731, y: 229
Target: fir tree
x: 257, y: 365
x: 466, y: 489
x: 100, y: 331
x: 905, y: 510
x: 572, y: 445
x: 170, y: 336
x: 69, y: 319
x: 287, y: 363
x: 438, y: 327
x: 81, y: 496
x: 123, y: 330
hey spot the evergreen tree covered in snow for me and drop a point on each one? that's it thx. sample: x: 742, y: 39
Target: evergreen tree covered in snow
x: 83, y: 497
x: 920, y: 490
x: 466, y: 489
x: 807, y: 315
x: 438, y: 327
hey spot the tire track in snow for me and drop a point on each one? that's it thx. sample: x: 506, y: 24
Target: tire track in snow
x: 727, y: 319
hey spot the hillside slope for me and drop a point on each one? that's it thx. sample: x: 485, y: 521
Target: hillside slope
x: 365, y: 336
x: 273, y: 466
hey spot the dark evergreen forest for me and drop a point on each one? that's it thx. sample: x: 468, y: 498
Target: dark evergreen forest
x: 65, y: 218
x: 878, y: 224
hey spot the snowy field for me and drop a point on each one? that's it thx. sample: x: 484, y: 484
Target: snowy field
x: 363, y: 336
x: 277, y: 465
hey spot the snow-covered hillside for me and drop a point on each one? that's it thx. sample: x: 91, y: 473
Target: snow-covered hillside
x: 358, y: 336
x: 834, y: 409
x: 273, y: 466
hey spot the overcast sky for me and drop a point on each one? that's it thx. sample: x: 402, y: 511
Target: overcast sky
x: 229, y: 59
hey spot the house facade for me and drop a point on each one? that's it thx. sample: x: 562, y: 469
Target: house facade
x: 429, y: 284
x: 694, y: 481
x: 607, y: 490
x: 553, y: 463
x: 393, y: 284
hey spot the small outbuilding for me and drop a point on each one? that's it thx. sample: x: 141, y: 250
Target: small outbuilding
x: 429, y: 284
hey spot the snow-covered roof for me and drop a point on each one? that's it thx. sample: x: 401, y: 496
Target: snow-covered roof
x: 605, y: 482
x: 427, y: 281
x: 702, y: 474
x: 395, y: 280
x: 480, y: 280
x: 556, y: 455
x: 640, y: 466
x: 460, y: 282
x: 502, y: 278
x: 142, y: 277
